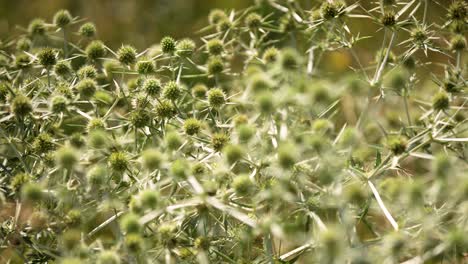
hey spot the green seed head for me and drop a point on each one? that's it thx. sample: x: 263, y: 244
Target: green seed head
x: 37, y: 27
x: 22, y: 61
x: 87, y: 30
x: 97, y: 176
x: 86, y: 88
x: 270, y: 55
x: 31, y: 192
x: 62, y: 68
x: 243, y: 185
x: 108, y: 257
x: 192, y: 126
x: 19, y: 180
x: 457, y: 10
x: 215, y: 65
x: 440, y: 101
x: 233, y: 153
x: 152, y: 87
x: 179, y: 169
x: 253, y: 21
x: 397, y: 144
x: 130, y: 224
x: 245, y: 132
x: 118, y: 161
x: 185, y: 48
x: 127, y: 55
x: 287, y: 155
x: 168, y: 45
x: 152, y: 159
x: 216, y: 97
x: 388, y: 19
x: 140, y: 118
x: 21, y: 105
x: 216, y: 15
x: 23, y: 44
x: 96, y: 124
x: 173, y: 140
x: 134, y: 243
x: 59, y: 104
x: 172, y: 91
x: 87, y: 71
x: 145, y: 67
x: 165, y: 109
x: 67, y: 157
x: 149, y: 199
x: 215, y: 47
x: 265, y: 102
x: 43, y: 143
x: 289, y: 59
x: 199, y: 91
x: 98, y: 139
x: 328, y: 10
x: 96, y: 50
x: 62, y: 18
x: 219, y: 140
x: 458, y: 43
x: 47, y: 58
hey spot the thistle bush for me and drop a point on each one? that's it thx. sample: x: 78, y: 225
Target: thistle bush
x: 239, y: 146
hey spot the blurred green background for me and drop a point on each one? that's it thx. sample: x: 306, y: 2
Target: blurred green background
x: 139, y: 22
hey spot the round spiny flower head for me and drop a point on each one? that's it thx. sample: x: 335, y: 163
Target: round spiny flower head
x: 287, y: 156
x: 224, y: 25
x: 397, y: 144
x: 328, y: 10
x: 219, y: 140
x: 43, y: 143
x: 233, y: 153
x: 216, y: 15
x: 270, y: 55
x: 37, y: 27
x: 199, y: 91
x: 265, y: 102
x: 66, y: 157
x: 71, y: 239
x: 149, y: 199
x: 388, y: 19
x: 23, y: 44
x: 21, y: 105
x: 192, y: 126
x: 152, y: 87
x: 253, y: 21
x: 440, y: 101
x: 322, y: 126
x: 173, y: 140
x: 185, y: 48
x: 260, y: 83
x: 87, y: 88
x: 134, y: 243
x: 62, y: 18
x: 165, y: 109
x: 215, y: 46
x: 19, y: 180
x: 97, y: 175
x: 215, y: 65
x: 47, y: 57
x: 179, y: 169
x: 216, y: 97
x: 62, y: 68
x: 97, y: 139
x: 87, y: 30
x: 130, y: 224
x: 118, y: 161
x: 458, y: 43
x: 152, y: 159
x: 96, y: 50
x: 243, y: 185
x: 22, y: 61
x: 108, y: 257
x: 145, y: 67
x: 419, y: 35
x: 31, y: 192
x: 87, y: 71
x: 77, y: 140
x: 127, y: 55
x: 450, y: 86
x: 140, y: 118
x: 457, y: 10
x: 96, y: 124
x: 172, y: 91
x: 409, y: 63
x: 289, y: 59
x: 168, y: 45
x: 245, y: 132
x: 58, y: 104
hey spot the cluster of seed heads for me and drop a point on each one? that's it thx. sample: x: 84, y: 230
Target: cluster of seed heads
x: 239, y: 147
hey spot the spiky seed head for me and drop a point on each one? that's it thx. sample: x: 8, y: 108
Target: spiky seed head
x: 130, y: 224
x: 440, y: 101
x: 185, y: 48
x: 31, y: 192
x: 47, y: 57
x: 22, y: 61
x: 224, y: 25
x: 23, y: 44
x: 458, y: 43
x: 253, y: 21
x: 216, y: 15
x: 215, y: 65
x: 62, y: 18
x: 58, y: 104
x: 458, y: 10
x: 97, y: 175
x: 87, y: 71
x: 388, y: 19
x: 145, y: 67
x: 199, y: 90
x: 179, y: 169
x: 21, y: 105
x: 397, y: 144
x: 270, y: 55
x: 216, y: 97
x: 134, y: 243
x: 87, y: 30
x: 265, y: 102
x: 245, y: 132
x: 108, y: 257
x: 328, y: 10
x: 43, y: 143
x: 192, y: 126
x: 86, y: 88
x: 140, y: 118
x: 118, y: 161
x: 173, y: 140
x: 233, y: 153
x: 96, y: 50
x: 37, y: 27
x: 172, y: 91
x: 149, y: 199
x: 152, y: 87
x: 97, y: 139
x: 165, y: 109
x: 219, y: 140
x: 287, y: 155
x: 67, y: 157
x: 62, y: 68
x: 127, y: 55
x: 168, y: 45
x: 215, y: 46
x: 152, y: 159
x: 289, y: 59
x: 243, y: 185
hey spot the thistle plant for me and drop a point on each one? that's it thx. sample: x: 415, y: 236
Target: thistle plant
x: 240, y: 144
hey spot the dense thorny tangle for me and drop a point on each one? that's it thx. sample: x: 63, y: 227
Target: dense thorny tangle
x: 241, y: 147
